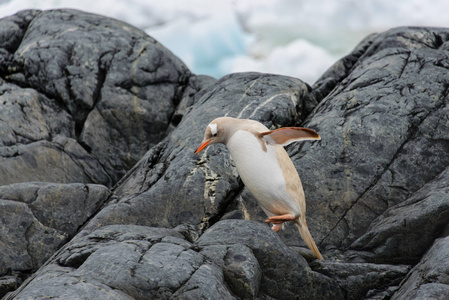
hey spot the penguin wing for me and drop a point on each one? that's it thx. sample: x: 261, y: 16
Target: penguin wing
x: 287, y: 135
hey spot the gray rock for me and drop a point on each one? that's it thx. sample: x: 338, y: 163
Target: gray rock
x: 83, y: 99
x: 194, y: 91
x: 429, y: 279
x: 106, y: 87
x: 242, y: 271
x: 130, y: 262
x: 39, y: 218
x: 56, y: 284
x: 8, y: 283
x: 384, y: 134
x: 360, y: 280
x: 384, y: 129
x: 234, y: 258
x: 433, y: 291
x: 37, y: 144
x: 337, y: 73
x: 405, y: 231
x: 285, y: 274
x: 206, y: 283
x: 171, y: 186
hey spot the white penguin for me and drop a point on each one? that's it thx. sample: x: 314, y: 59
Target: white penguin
x: 266, y: 169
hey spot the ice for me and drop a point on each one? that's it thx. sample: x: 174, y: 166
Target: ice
x: 205, y: 44
x: 299, y: 59
x: 297, y: 38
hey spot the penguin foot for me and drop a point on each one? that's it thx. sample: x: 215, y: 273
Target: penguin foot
x: 280, y: 219
x: 276, y: 227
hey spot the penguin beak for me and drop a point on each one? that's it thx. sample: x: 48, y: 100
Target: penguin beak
x: 202, y: 146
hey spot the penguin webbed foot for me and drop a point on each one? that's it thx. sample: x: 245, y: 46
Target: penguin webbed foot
x: 278, y: 221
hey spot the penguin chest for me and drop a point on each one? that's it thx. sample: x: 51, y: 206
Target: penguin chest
x: 260, y: 171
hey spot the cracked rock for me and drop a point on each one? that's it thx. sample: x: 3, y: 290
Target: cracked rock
x: 129, y: 261
x: 384, y: 134
x: 104, y: 84
x: 362, y: 280
x: 39, y: 218
x: 242, y: 271
x: 158, y: 263
x: 87, y: 102
x: 273, y: 258
x: 170, y: 186
x: 429, y: 279
x: 407, y: 230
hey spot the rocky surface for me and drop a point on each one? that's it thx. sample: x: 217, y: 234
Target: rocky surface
x: 38, y: 218
x: 102, y: 196
x: 83, y: 98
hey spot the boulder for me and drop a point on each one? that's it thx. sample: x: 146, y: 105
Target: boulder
x: 363, y: 280
x: 83, y: 97
x: 405, y: 231
x: 37, y: 219
x: 139, y: 262
x: 170, y: 185
x: 107, y: 120
x: 429, y: 279
x: 273, y: 258
x: 384, y: 131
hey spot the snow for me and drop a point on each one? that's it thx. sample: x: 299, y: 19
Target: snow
x: 291, y: 37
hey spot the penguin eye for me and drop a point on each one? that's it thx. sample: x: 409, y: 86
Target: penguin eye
x: 213, y: 129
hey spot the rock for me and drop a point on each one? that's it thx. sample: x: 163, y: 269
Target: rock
x: 405, y: 231
x: 429, y: 279
x: 130, y: 262
x: 242, y: 271
x: 380, y: 142
x: 337, y: 73
x: 106, y: 87
x: 359, y: 280
x: 39, y: 218
x: 194, y: 91
x: 384, y: 133
x: 171, y: 186
x: 8, y: 283
x: 144, y: 262
x: 92, y: 102
x: 37, y: 143
x: 273, y: 258
x: 434, y: 291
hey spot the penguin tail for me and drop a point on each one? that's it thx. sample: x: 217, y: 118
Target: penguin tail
x: 307, y: 237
